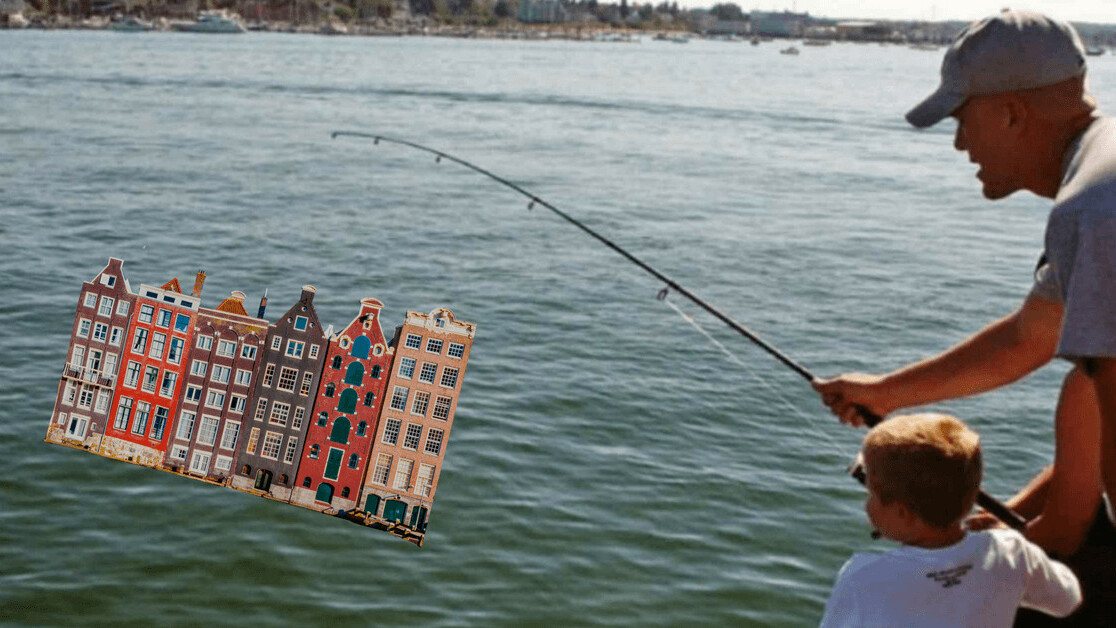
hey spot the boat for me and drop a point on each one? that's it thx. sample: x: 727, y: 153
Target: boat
x: 789, y: 51
x: 130, y: 24
x: 216, y: 21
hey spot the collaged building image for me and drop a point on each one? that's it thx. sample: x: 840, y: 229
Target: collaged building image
x: 349, y: 423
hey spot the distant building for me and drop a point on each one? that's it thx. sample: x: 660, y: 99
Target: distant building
x: 343, y: 422
x: 431, y: 351
x: 865, y: 31
x: 89, y: 377
x: 542, y: 11
x: 162, y: 326
x: 729, y: 27
x: 281, y: 400
x: 221, y: 365
x: 785, y: 24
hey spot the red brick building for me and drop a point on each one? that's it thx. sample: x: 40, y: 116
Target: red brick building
x: 221, y: 368
x: 430, y: 354
x: 343, y: 421
x: 90, y: 375
x: 151, y: 374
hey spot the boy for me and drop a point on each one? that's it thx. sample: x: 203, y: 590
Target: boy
x: 923, y: 473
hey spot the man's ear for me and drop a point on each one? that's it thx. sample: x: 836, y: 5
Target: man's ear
x: 1015, y: 113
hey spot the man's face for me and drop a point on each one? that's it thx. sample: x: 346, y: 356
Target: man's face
x: 986, y: 131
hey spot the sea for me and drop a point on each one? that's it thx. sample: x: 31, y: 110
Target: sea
x: 613, y: 462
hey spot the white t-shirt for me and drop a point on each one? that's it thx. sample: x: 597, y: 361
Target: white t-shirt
x: 980, y: 581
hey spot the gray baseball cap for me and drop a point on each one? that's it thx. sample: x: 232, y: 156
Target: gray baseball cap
x: 1008, y: 52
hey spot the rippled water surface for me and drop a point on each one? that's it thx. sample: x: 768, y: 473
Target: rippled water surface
x: 609, y: 465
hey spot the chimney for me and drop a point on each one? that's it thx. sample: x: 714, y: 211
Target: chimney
x: 307, y: 294
x: 198, y: 283
x: 263, y: 304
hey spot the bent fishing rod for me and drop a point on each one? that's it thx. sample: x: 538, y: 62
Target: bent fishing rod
x: 995, y: 507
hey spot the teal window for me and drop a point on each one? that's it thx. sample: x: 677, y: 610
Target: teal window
x: 369, y: 398
x: 306, y: 482
x: 361, y: 346
x: 325, y: 493
x: 300, y: 323
x: 353, y: 460
x: 340, y: 431
x: 333, y: 465
x: 376, y: 372
x: 348, y: 401
x: 354, y: 374
x: 330, y: 388
x: 336, y: 362
x: 362, y: 428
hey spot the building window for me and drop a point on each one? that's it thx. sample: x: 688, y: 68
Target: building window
x: 169, y: 380
x: 391, y: 431
x: 215, y: 399
x: 103, y: 399
x: 403, y: 474
x: 174, y: 356
x: 193, y: 394
x: 287, y: 379
x: 228, y: 438
x: 71, y: 393
x: 299, y: 413
x: 313, y: 351
x: 139, y: 423
x: 248, y: 351
x: 380, y: 473
x: 406, y: 368
x: 122, y: 308
x: 181, y: 322
x: 116, y: 336
x: 205, y: 343
x: 362, y: 428
x: 151, y: 379
x: 83, y: 328
x: 306, y: 482
x: 100, y: 332
x: 292, y: 448
x: 271, y: 444
x: 425, y: 480
x: 369, y: 398
x: 106, y: 306
x: 139, y: 341
x: 361, y: 346
x: 345, y: 490
x: 300, y: 323
x: 226, y: 348
x: 198, y: 368
x: 90, y: 299
x: 261, y: 409
x: 243, y: 377
x: 294, y: 348
x: 158, y: 343
x: 315, y: 450
x: 307, y: 382
x: 276, y: 341
x: 221, y: 374
x: 253, y: 439
x: 414, y: 433
x: 279, y: 413
x: 329, y: 389
x: 433, y: 441
x: 323, y: 419
x: 399, y: 398
x: 146, y: 313
x: 269, y: 374
x: 207, y: 433
x: 200, y: 463
x: 449, y: 377
x: 85, y: 400
x: 353, y: 460
x: 164, y: 318
x: 123, y: 413
x: 375, y: 370
x: 185, y: 427
x: 354, y: 374
x: 178, y: 453
x: 237, y: 403
x: 433, y: 346
x: 418, y: 405
x: 441, y: 408
x: 336, y: 363
x: 429, y: 370
x: 224, y: 463
x: 414, y: 341
x: 160, y: 422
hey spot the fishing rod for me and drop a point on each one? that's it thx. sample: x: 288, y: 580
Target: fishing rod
x: 985, y: 501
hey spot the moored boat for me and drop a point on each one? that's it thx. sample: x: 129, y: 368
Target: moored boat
x: 216, y: 21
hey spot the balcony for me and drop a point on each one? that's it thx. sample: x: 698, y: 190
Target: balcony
x: 88, y: 376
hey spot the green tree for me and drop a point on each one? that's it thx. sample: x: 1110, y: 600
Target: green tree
x: 502, y: 9
x: 623, y: 9
x: 727, y: 11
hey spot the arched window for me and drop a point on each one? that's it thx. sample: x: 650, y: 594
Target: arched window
x: 345, y: 492
x: 246, y: 470
x: 353, y: 459
x: 340, y: 431
x: 324, y: 494
x: 306, y: 482
x: 376, y: 372
x: 314, y: 449
x: 362, y: 428
x: 355, y: 373
x: 336, y: 362
x: 361, y: 346
x: 323, y: 419
x: 330, y: 388
x: 284, y: 479
x: 348, y: 401
x: 369, y: 398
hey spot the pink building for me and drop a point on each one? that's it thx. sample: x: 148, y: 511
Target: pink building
x: 431, y: 351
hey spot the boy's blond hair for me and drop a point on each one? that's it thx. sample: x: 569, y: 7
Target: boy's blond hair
x: 929, y: 462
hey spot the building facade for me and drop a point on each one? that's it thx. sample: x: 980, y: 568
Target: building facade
x: 221, y: 370
x: 422, y: 389
x: 152, y: 368
x: 349, y: 399
x: 89, y: 376
x: 273, y: 431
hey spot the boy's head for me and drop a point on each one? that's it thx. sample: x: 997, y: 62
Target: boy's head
x: 929, y: 463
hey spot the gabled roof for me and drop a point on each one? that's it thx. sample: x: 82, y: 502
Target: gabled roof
x: 173, y: 286
x: 232, y: 306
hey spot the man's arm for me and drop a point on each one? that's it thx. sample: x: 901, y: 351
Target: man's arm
x: 999, y: 354
x: 1103, y: 373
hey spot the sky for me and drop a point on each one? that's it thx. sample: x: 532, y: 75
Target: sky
x: 1100, y: 11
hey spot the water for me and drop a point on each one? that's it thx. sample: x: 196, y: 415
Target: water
x: 609, y: 466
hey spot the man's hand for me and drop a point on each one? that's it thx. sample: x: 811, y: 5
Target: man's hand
x: 982, y: 521
x: 847, y: 395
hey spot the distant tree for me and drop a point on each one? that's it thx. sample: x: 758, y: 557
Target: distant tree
x: 502, y: 9
x: 422, y: 7
x: 623, y: 9
x: 646, y: 11
x: 727, y: 11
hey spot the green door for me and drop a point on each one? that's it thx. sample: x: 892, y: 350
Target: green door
x: 418, y: 518
x: 394, y: 510
x: 372, y: 505
x: 325, y: 493
x: 334, y: 463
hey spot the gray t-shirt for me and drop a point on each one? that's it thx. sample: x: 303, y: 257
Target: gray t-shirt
x: 1081, y: 245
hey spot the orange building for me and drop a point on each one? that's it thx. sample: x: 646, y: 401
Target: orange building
x: 421, y: 392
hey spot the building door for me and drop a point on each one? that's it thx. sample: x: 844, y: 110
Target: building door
x: 394, y: 510
x: 325, y: 493
x: 77, y: 427
x: 263, y: 480
x: 418, y: 518
x: 372, y: 505
x: 333, y: 465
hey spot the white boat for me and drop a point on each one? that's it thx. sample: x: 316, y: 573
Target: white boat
x: 130, y: 24
x: 217, y: 21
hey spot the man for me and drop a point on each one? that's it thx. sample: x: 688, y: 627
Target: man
x: 1015, y: 83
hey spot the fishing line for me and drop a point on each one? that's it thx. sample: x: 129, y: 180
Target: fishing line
x: 996, y: 508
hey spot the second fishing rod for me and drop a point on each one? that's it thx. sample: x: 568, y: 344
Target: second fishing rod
x: 995, y: 507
